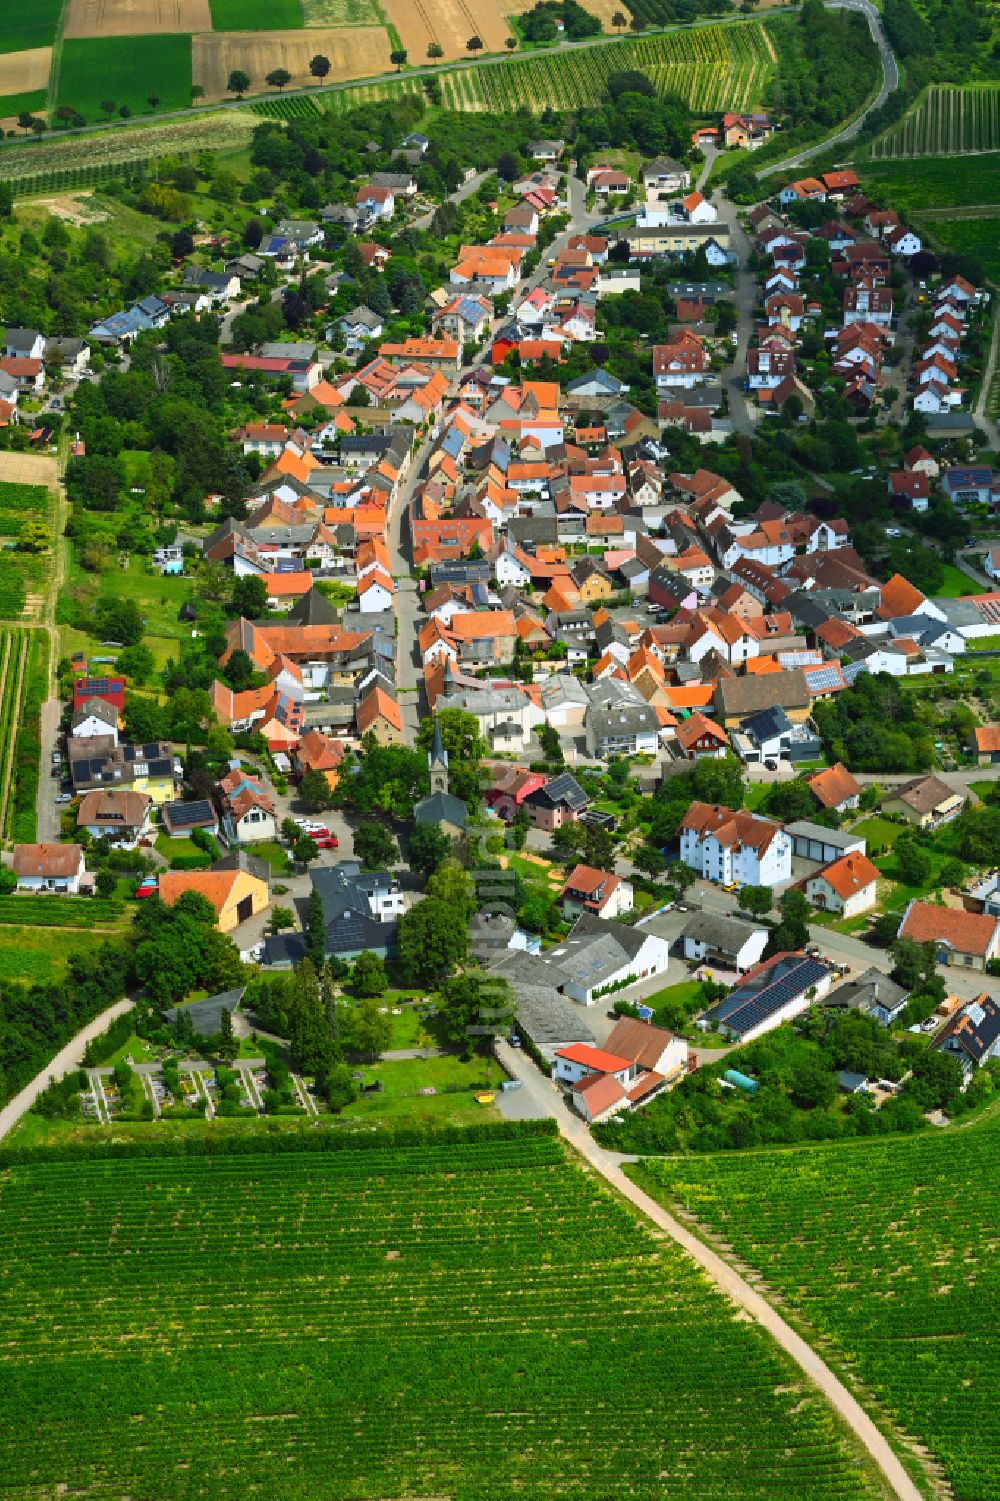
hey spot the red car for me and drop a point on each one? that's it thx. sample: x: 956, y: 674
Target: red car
x: 146, y: 888
x: 321, y: 833
x: 325, y: 841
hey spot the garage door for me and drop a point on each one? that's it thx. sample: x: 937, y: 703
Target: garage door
x: 244, y: 909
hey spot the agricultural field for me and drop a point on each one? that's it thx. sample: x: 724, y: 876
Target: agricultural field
x: 448, y: 22
x: 23, y: 574
x: 87, y: 161
x: 126, y: 70
x: 26, y: 911
x: 355, y: 53
x: 724, y: 67
x: 13, y: 664
x: 11, y: 105
x: 886, y: 1249
x: 945, y: 119
x: 372, y: 1338
x: 135, y: 18
x: 342, y: 13
x: 977, y: 237
x: 254, y: 15
x: 23, y: 73
x: 23, y: 27
x: 936, y: 182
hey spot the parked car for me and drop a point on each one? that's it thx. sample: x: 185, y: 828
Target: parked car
x: 324, y: 841
x: 148, y: 886
x: 64, y: 797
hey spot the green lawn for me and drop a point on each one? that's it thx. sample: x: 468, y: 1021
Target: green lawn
x: 158, y: 596
x: 34, y: 955
x: 956, y: 583
x: 170, y: 849
x: 256, y: 15
x: 880, y: 833
x: 275, y: 854
x: 23, y: 27
x: 983, y: 790
x: 682, y: 994
x: 127, y: 70
x: 902, y: 893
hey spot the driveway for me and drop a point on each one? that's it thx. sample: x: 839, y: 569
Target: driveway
x: 47, y: 809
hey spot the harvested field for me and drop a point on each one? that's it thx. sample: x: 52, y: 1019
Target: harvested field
x: 450, y: 22
x: 28, y: 469
x: 24, y: 72
x: 74, y: 208
x: 88, y: 18
x: 358, y: 53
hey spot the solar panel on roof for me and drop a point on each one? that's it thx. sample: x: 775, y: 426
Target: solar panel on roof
x: 823, y: 677
x: 182, y: 815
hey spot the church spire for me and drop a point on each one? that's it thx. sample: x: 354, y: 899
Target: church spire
x: 437, y: 760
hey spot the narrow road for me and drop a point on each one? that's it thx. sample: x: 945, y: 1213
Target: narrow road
x: 68, y: 1058
x: 608, y: 1164
x: 979, y: 414
x: 890, y: 82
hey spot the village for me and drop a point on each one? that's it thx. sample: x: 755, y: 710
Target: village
x: 481, y: 530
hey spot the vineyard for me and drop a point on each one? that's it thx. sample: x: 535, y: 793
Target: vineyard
x: 470, y: 1319
x: 712, y: 68
x: 888, y: 1250
x: 297, y: 107
x: 946, y: 120
x: 24, y: 911
x: 55, y: 165
x: 13, y: 659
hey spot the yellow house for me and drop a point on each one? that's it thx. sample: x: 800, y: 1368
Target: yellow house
x: 235, y: 894
x: 926, y: 802
x: 595, y: 586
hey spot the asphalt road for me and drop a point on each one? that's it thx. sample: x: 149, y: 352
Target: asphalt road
x: 890, y: 81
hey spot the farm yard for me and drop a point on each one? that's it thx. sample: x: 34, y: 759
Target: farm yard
x: 945, y: 119
x: 381, y: 1300
x: 354, y: 53
x: 138, y: 18
x: 886, y: 1250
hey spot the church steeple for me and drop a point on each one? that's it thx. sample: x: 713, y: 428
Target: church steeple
x: 437, y: 761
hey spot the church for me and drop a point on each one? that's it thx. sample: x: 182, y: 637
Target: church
x: 440, y: 807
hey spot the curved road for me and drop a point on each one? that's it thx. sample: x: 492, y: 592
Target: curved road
x: 68, y: 1058
x: 546, y: 1096
x: 890, y: 81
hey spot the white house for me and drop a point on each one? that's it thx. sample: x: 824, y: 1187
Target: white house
x: 48, y: 867
x: 731, y: 942
x: 598, y: 891
x: 95, y: 717
x: 847, y: 886
x: 375, y: 592
x: 600, y: 956
x: 734, y: 848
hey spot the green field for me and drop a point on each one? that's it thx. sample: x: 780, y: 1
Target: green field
x: 126, y: 70
x: 32, y: 954
x: 25, y: 910
x: 15, y: 104
x: 935, y: 182
x: 887, y: 1250
x: 18, y: 503
x: 25, y: 26
x: 978, y: 238
x: 255, y: 15
x: 459, y: 1320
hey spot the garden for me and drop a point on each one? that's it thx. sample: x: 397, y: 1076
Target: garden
x: 885, y: 1251
x: 475, y: 1294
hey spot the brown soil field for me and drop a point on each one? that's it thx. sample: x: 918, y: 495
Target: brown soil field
x: 358, y: 52
x: 93, y: 18
x: 28, y: 469
x: 22, y: 72
x: 450, y: 22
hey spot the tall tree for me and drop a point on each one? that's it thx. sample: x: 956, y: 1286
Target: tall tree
x: 278, y: 78
x: 319, y: 66
x: 238, y: 83
x: 433, y: 939
x: 315, y: 929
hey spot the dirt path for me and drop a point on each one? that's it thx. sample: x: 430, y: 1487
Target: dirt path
x: 608, y: 1164
x: 67, y: 1059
